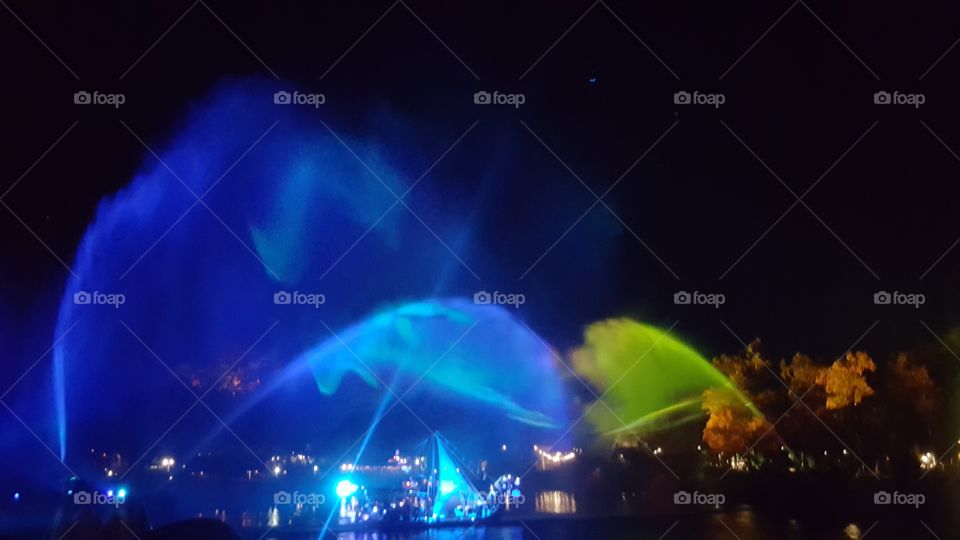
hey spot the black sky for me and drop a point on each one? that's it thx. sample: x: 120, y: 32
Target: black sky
x: 799, y: 81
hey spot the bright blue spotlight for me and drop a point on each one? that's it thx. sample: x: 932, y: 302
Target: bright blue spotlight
x: 121, y: 493
x: 346, y: 488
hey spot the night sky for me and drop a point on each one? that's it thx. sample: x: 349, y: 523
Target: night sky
x: 711, y: 206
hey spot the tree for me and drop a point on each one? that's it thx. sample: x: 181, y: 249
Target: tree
x: 845, y: 382
x: 743, y: 369
x: 911, y: 385
x: 911, y: 403
x: 838, y: 386
x: 731, y: 427
x: 801, y: 374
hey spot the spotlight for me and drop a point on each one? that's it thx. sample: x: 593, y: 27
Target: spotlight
x: 346, y: 488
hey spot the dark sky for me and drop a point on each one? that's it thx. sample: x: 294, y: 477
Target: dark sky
x: 798, y: 80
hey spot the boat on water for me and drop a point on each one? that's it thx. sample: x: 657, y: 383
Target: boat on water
x: 435, y: 487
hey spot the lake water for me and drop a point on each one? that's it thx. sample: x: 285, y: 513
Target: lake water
x: 743, y: 524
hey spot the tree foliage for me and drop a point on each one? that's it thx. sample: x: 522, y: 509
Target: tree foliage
x: 839, y: 385
x: 811, y: 407
x: 731, y: 428
x: 911, y: 385
x: 844, y: 381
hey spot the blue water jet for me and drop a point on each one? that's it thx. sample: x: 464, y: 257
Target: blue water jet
x: 287, y: 207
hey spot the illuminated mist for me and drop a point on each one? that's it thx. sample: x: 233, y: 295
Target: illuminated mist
x: 287, y: 206
x: 650, y: 379
x: 466, y: 351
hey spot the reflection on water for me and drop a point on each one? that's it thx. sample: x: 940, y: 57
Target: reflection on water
x: 457, y: 533
x: 853, y: 531
x: 556, y: 502
x: 743, y: 524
